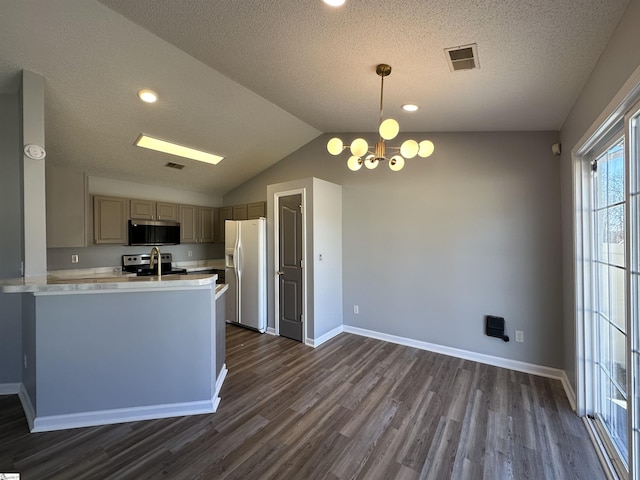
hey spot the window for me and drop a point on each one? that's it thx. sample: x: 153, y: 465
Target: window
x: 607, y: 261
x: 609, y: 312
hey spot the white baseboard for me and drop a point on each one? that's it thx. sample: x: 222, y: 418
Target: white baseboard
x: 316, y: 342
x: 27, y: 406
x: 9, y: 388
x: 271, y: 331
x: 220, y: 379
x: 464, y: 354
x: 568, y: 390
x: 121, y: 415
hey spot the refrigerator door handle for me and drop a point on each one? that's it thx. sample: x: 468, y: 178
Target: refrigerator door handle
x: 239, y: 259
x: 236, y: 252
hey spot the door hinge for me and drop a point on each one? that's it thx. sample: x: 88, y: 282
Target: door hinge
x: 594, y: 165
x: 301, y: 263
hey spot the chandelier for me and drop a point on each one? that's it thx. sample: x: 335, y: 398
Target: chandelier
x: 388, y: 129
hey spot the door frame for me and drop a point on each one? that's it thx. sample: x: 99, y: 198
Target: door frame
x: 276, y: 259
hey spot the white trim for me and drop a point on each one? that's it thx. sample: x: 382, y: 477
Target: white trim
x: 323, y: 338
x: 615, y: 110
x: 121, y: 415
x: 464, y: 354
x: 220, y: 380
x: 27, y: 406
x: 271, y: 331
x: 568, y: 390
x: 9, y: 388
x: 601, y: 451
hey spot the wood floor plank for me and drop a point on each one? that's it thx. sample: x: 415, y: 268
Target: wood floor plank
x: 353, y: 408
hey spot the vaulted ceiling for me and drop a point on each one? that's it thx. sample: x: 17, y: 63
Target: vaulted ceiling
x: 254, y: 80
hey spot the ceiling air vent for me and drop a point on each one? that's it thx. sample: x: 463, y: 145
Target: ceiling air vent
x: 177, y: 166
x: 462, y: 58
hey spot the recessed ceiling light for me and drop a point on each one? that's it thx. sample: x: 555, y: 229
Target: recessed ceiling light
x: 147, y: 95
x: 409, y: 107
x: 151, y: 143
x: 334, y: 3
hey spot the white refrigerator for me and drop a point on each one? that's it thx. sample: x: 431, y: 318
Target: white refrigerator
x: 246, y: 272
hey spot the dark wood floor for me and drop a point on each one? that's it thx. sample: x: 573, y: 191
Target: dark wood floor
x: 352, y: 408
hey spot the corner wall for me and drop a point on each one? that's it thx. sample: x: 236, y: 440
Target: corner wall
x: 10, y: 238
x: 429, y: 251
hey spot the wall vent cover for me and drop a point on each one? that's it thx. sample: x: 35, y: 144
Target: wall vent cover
x: 177, y: 166
x: 462, y: 58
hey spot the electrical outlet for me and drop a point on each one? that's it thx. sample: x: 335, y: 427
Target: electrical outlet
x: 190, y: 253
x: 74, y: 258
x: 519, y: 336
x: 356, y: 309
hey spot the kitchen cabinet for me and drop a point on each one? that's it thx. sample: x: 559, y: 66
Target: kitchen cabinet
x: 245, y: 211
x: 240, y: 212
x: 187, y: 216
x: 150, y: 210
x: 66, y: 193
x: 256, y: 210
x: 166, y: 211
x: 110, y: 216
x: 224, y: 214
x: 197, y: 224
x: 206, y: 224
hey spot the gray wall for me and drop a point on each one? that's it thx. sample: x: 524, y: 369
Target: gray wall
x: 97, y: 352
x: 616, y: 64
x: 10, y: 236
x: 429, y: 251
x: 29, y: 344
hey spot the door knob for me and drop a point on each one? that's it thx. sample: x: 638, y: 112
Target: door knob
x: 279, y: 272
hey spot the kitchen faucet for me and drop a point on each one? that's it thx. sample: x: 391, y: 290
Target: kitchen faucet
x: 156, y: 251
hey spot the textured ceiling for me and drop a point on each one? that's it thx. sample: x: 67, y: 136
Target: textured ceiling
x: 256, y: 79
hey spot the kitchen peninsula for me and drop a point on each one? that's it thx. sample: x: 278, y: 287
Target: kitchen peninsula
x: 103, y: 347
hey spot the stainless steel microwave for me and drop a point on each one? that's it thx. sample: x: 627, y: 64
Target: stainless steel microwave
x: 148, y: 232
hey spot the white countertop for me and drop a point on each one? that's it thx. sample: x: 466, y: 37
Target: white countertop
x: 52, y: 283
x: 113, y: 278
x: 220, y: 289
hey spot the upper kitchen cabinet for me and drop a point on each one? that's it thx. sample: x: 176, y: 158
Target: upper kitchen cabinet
x: 246, y: 211
x: 240, y: 212
x: 166, y: 211
x: 150, y: 210
x: 224, y: 214
x: 206, y: 216
x: 110, y: 216
x: 256, y: 210
x: 197, y: 224
x: 66, y: 193
x: 187, y: 216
